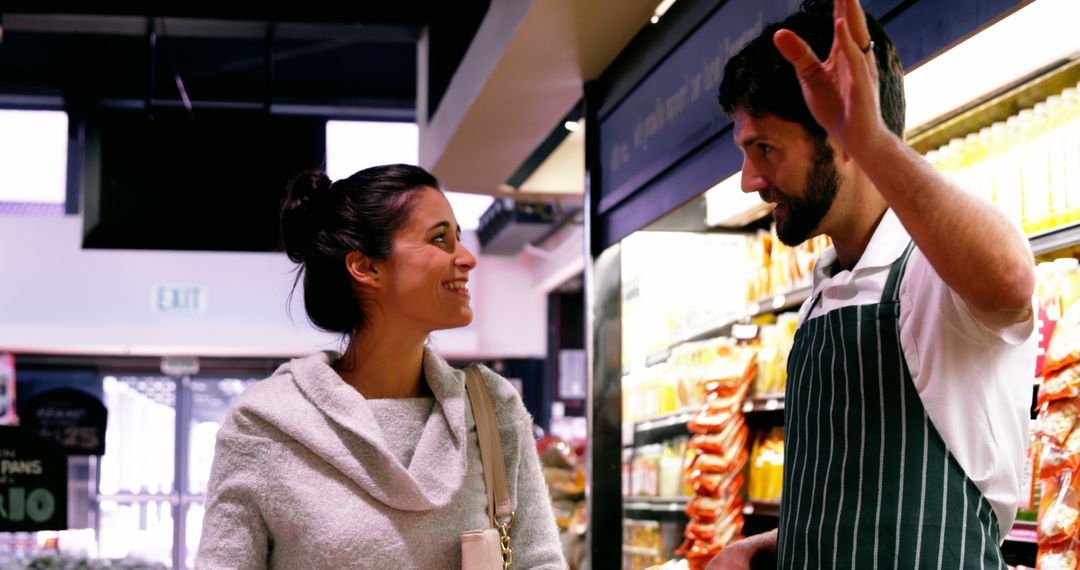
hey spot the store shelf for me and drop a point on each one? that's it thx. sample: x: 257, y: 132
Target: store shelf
x: 656, y: 504
x: 723, y: 326
x: 759, y: 404
x: 1023, y: 531
x: 762, y: 509
x: 666, y: 421
x: 673, y: 424
x: 641, y: 551
x: 1057, y: 238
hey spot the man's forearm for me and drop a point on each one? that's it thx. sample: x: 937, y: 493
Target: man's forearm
x: 764, y: 542
x: 970, y: 244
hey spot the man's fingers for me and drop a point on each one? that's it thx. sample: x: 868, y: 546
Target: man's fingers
x: 852, y: 52
x: 856, y: 18
x: 797, y: 52
x: 842, y: 35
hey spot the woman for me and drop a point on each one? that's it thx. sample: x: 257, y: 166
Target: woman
x: 370, y: 459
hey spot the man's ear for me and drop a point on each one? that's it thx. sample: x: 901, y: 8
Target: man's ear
x: 362, y: 270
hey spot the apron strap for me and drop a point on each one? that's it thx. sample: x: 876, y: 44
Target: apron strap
x: 892, y: 286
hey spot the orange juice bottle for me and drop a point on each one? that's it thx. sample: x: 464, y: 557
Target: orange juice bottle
x: 1054, y: 135
x: 1032, y: 173
x: 1007, y: 196
x: 1070, y: 126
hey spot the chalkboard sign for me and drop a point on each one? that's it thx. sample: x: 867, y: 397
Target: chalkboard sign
x: 74, y: 419
x: 33, y: 482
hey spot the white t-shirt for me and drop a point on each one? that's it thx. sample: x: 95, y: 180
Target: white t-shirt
x: 974, y: 380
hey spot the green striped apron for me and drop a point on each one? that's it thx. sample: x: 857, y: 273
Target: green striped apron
x: 868, y: 481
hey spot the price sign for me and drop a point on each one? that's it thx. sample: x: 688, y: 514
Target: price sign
x: 72, y: 418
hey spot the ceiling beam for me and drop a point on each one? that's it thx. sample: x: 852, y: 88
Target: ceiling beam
x: 523, y: 72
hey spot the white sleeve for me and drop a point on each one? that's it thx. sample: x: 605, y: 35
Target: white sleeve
x: 234, y: 535
x: 923, y: 284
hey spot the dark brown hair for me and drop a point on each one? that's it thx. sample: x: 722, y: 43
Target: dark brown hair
x: 322, y: 222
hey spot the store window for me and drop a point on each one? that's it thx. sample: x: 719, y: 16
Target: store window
x: 135, y: 489
x: 33, y: 162
x: 150, y: 478
x: 356, y: 145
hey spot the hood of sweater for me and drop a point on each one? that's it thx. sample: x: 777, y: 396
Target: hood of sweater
x: 307, y: 403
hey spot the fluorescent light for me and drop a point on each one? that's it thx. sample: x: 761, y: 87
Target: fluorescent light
x: 33, y: 156
x: 1036, y: 35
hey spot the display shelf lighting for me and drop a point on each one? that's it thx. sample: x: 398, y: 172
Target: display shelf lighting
x: 726, y: 205
x: 1037, y: 35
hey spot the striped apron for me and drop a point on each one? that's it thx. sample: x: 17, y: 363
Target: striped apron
x: 868, y: 481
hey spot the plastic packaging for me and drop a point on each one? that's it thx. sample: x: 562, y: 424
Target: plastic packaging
x: 1059, y: 516
x: 1056, y: 421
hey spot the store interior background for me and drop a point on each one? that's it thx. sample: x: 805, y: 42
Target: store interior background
x: 513, y: 105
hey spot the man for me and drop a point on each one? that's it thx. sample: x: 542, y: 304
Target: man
x: 907, y: 405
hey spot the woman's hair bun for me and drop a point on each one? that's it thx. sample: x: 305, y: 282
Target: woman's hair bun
x: 299, y: 211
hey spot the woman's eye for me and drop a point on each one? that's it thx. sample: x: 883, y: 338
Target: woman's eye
x: 441, y: 238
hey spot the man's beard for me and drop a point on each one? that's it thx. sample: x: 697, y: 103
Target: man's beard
x: 804, y: 214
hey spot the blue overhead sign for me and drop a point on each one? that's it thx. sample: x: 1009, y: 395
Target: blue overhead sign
x: 674, y: 110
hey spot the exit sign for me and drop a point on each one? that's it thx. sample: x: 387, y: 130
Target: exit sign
x: 180, y: 299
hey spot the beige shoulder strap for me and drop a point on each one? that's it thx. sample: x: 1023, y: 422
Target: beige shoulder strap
x: 491, y: 453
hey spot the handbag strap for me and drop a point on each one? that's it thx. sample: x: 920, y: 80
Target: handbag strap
x: 491, y: 453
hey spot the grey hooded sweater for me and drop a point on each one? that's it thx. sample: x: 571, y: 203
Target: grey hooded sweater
x: 304, y: 477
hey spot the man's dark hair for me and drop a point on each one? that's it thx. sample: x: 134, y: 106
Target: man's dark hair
x: 760, y: 81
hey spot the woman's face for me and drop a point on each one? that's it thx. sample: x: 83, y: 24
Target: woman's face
x: 425, y: 277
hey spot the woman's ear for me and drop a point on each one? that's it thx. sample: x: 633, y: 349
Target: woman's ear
x: 362, y: 270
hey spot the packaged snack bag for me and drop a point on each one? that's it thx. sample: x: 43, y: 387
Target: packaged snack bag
x: 714, y: 484
x: 1057, y: 556
x: 1060, y: 385
x: 720, y: 441
x: 1064, y: 347
x: 1056, y: 420
x: 1058, y: 458
x: 1059, y: 515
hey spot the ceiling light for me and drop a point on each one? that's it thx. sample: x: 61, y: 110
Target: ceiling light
x: 571, y: 126
x: 661, y: 9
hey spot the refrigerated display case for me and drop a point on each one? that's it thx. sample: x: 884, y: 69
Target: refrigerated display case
x: 1015, y: 143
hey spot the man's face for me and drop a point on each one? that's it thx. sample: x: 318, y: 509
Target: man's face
x: 788, y: 168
